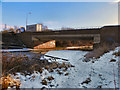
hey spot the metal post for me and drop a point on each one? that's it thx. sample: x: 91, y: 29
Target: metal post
x: 27, y: 19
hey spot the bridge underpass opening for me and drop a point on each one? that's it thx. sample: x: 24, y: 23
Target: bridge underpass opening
x: 86, y: 40
x: 68, y: 44
x: 73, y: 43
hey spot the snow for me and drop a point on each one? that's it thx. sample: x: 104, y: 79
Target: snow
x: 100, y: 72
x: 15, y: 50
x: 72, y: 55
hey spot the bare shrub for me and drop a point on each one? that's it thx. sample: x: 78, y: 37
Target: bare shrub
x: 9, y: 81
x: 11, y: 65
x: 25, y: 65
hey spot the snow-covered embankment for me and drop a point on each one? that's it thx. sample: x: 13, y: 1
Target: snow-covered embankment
x: 98, y: 73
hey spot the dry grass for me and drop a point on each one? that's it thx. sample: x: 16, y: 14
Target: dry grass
x: 99, y: 51
x: 25, y: 66
x: 9, y: 81
x: 11, y: 65
x: 117, y: 53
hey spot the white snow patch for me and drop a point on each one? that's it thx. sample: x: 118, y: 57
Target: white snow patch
x: 15, y: 50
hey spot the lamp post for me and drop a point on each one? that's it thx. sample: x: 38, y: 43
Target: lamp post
x: 27, y: 19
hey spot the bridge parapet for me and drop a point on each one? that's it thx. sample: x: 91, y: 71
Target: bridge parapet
x: 93, y: 37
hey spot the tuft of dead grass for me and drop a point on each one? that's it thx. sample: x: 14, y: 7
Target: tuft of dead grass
x: 117, y: 53
x: 9, y: 81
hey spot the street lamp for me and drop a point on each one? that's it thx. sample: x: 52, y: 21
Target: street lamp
x: 27, y: 19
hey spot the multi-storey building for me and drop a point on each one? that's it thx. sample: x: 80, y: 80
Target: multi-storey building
x: 36, y: 28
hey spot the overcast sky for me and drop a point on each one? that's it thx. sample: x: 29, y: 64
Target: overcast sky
x: 60, y: 14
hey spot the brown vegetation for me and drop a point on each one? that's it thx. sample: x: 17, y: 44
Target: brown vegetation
x: 112, y: 60
x: 100, y: 50
x: 8, y: 81
x: 117, y: 53
x: 50, y: 78
x: 12, y: 64
x: 66, y: 74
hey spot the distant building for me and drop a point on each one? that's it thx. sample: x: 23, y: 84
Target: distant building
x: 21, y: 29
x: 36, y: 28
x: 6, y: 27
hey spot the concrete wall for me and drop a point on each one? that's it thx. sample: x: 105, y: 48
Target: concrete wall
x: 69, y: 32
x: 110, y: 34
x: 11, y: 40
x: 76, y: 37
x: 26, y: 38
x: 50, y: 44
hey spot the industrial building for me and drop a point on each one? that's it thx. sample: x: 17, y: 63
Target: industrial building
x: 36, y: 28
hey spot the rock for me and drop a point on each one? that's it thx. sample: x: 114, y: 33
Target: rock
x: 116, y: 54
x: 41, y: 70
x: 45, y: 73
x: 100, y: 75
x: 100, y: 86
x: 86, y: 81
x: 66, y: 74
x: 17, y: 86
x: 51, y: 70
x: 60, y: 66
x: 93, y: 61
x: 33, y: 76
x: 72, y: 66
x: 54, y: 66
x: 86, y: 60
x: 112, y: 60
x: 47, y: 67
x: 43, y: 88
x: 44, y: 82
x: 59, y: 72
x: 63, y: 64
x: 65, y: 69
x: 16, y: 74
x: 22, y: 73
x: 51, y: 85
x: 50, y: 78
x: 84, y: 86
x: 17, y: 77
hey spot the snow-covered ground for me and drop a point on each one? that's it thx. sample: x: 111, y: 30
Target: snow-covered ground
x: 101, y: 73
x: 15, y: 50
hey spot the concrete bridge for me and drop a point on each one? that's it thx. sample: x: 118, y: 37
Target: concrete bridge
x: 74, y: 35
x: 93, y: 37
x: 97, y: 35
